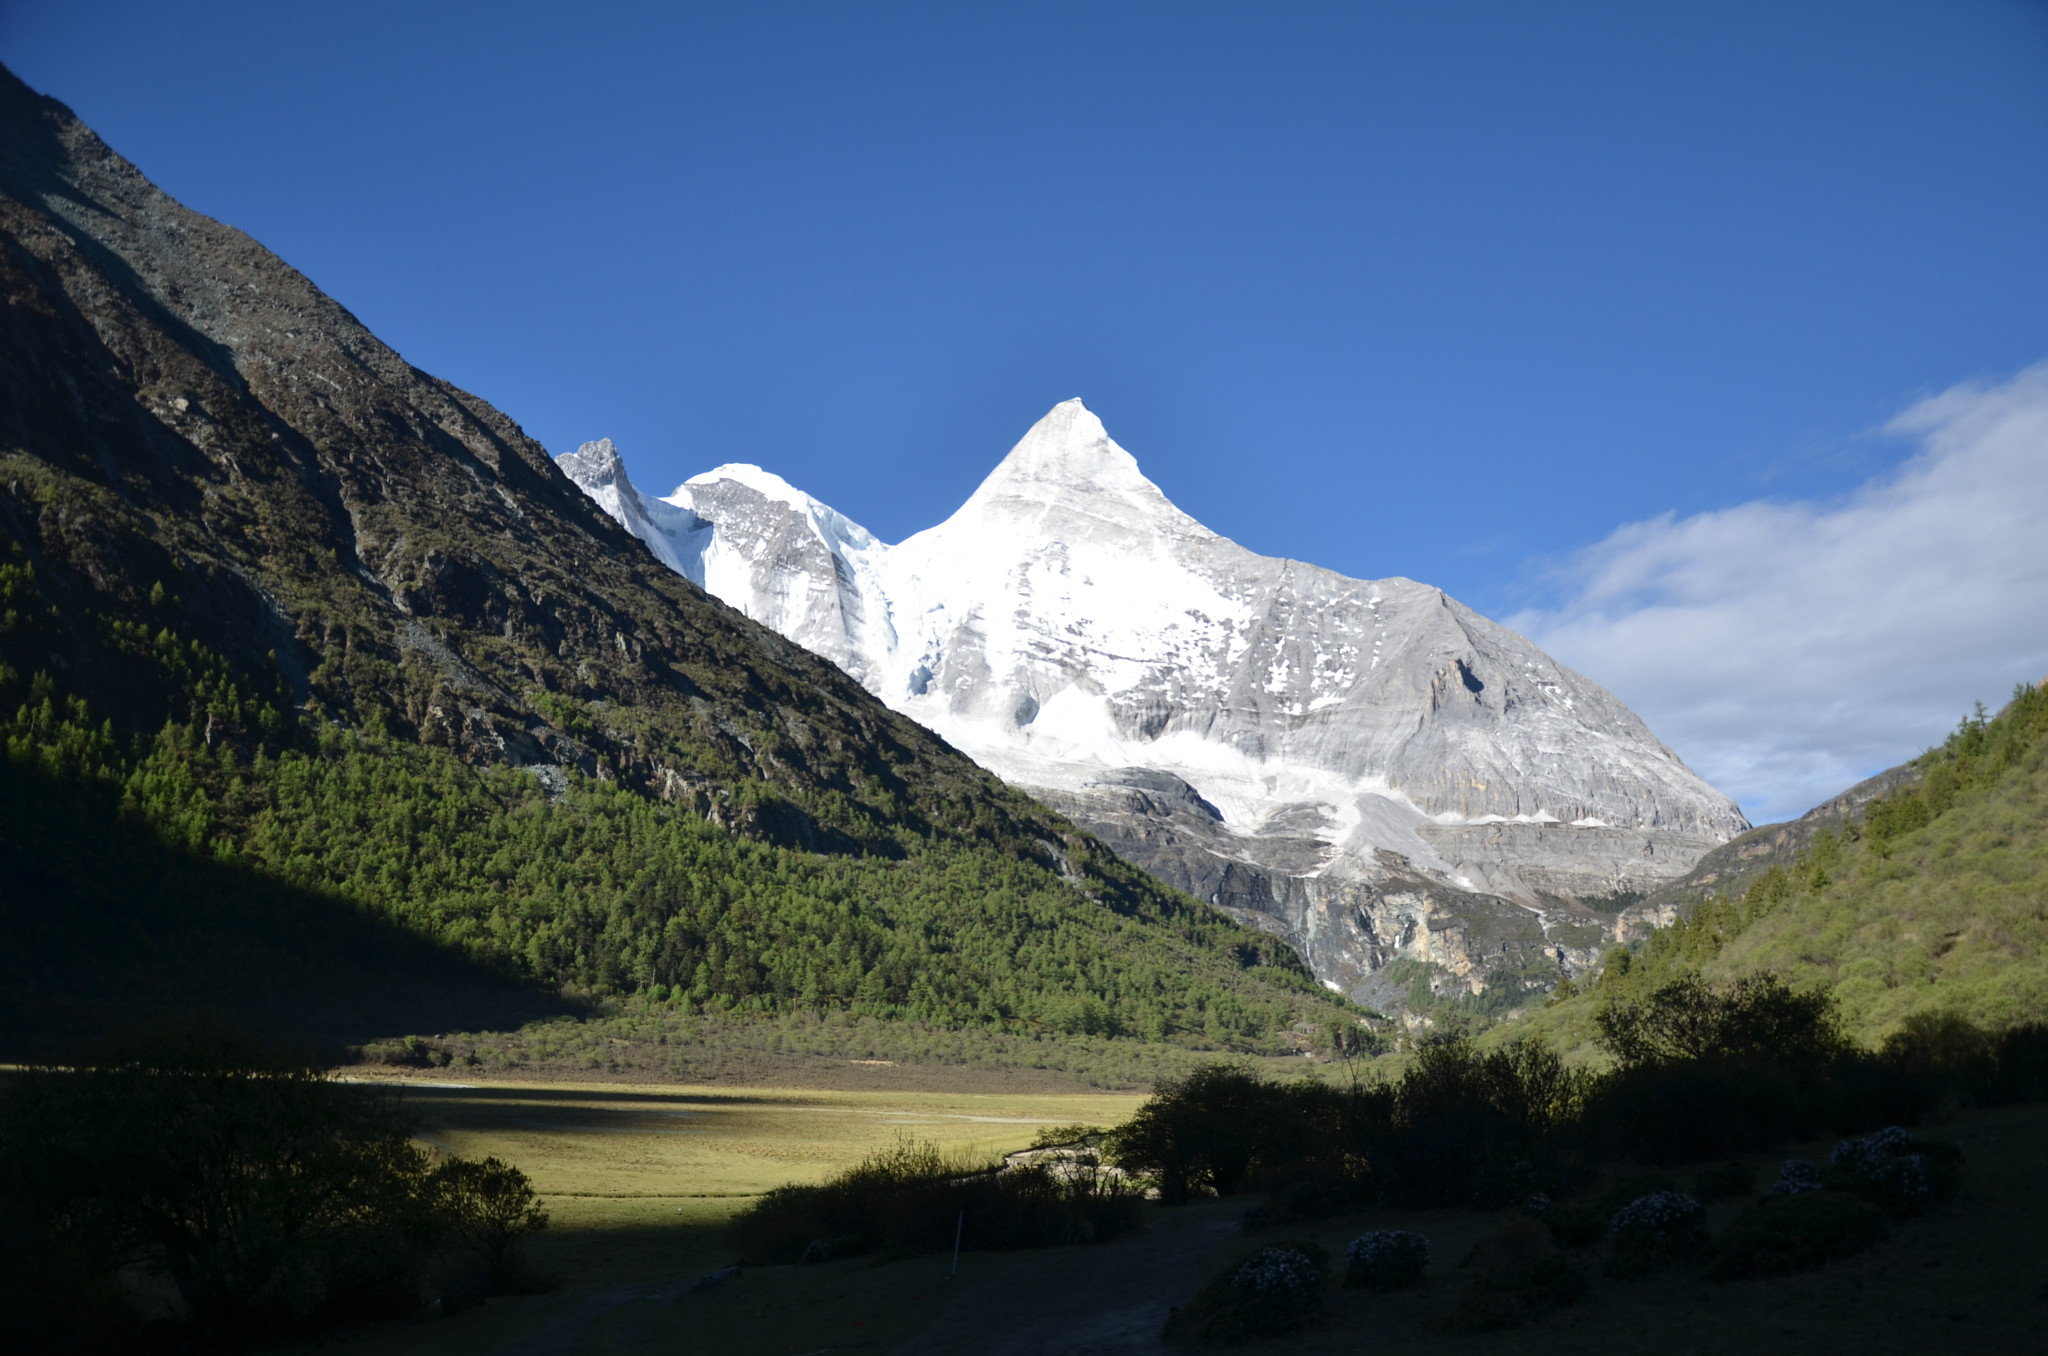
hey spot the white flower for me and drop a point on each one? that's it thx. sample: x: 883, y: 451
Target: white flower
x: 1905, y: 1178
x: 1277, y: 1269
x: 1661, y: 1214
x: 1870, y: 1153
x: 1387, y: 1245
x: 1795, y: 1177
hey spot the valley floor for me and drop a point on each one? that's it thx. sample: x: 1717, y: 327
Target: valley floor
x: 641, y: 1179
x: 634, y: 1041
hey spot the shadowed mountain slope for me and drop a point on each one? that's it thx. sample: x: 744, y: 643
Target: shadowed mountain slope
x: 286, y: 601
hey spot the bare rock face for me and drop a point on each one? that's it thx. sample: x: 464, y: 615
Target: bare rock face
x: 182, y: 408
x: 1367, y: 767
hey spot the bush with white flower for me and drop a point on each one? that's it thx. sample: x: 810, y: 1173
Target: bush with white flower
x: 1276, y: 1290
x: 1661, y: 1214
x: 1386, y: 1259
x: 1652, y: 1230
x: 1279, y: 1270
x: 1872, y: 1152
x: 1794, y: 1177
x: 1894, y: 1170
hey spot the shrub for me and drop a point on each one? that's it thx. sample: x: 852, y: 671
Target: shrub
x: 1663, y: 1215
x: 1275, y: 1291
x: 1755, y: 1021
x: 1626, y: 1191
x: 1892, y: 1169
x: 1870, y: 1153
x: 1200, y: 1133
x: 2022, y: 1055
x: 1464, y: 1126
x: 1499, y: 1183
x: 1461, y: 1126
x: 1304, y: 1192
x: 489, y: 1208
x: 912, y: 1197
x: 1795, y: 1176
x: 1789, y: 1233
x: 1933, y: 1055
x: 1705, y: 1073
x: 1655, y: 1230
x: 1518, y: 1275
x: 1576, y: 1224
x: 1386, y: 1259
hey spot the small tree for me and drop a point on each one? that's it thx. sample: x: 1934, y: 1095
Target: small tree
x: 1759, y: 1018
x: 490, y: 1208
x: 1201, y: 1131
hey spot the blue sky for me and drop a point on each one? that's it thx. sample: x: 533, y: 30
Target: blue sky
x: 1448, y: 291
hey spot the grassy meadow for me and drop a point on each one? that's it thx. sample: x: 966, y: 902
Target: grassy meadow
x: 640, y: 1179
x: 637, y: 1142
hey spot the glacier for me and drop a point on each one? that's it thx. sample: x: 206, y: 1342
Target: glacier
x: 1366, y: 767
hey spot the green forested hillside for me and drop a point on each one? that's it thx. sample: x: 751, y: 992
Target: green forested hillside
x: 298, y: 642
x: 1935, y: 900
x: 604, y: 889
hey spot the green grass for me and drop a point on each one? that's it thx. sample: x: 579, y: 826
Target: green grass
x: 638, y: 1141
x: 1954, y: 918
x: 638, y: 1040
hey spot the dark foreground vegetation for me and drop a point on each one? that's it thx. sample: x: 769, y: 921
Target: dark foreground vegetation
x: 192, y: 1189
x: 1610, y: 1171
x: 911, y: 1200
x: 1699, y: 1074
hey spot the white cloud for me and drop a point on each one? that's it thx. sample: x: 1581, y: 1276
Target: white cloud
x: 1787, y: 650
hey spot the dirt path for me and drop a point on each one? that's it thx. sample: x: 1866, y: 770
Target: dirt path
x: 567, y: 1332
x: 1104, y: 1301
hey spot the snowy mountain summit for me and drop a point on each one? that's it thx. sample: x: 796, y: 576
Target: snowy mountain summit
x: 1366, y: 766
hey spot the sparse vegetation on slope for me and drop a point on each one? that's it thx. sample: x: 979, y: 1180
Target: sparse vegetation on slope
x: 1932, y: 902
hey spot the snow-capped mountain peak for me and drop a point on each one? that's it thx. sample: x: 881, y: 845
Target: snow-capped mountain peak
x: 1077, y: 634
x: 1068, y: 452
x: 1065, y: 474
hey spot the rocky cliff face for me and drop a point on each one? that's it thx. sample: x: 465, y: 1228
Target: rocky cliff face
x: 183, y: 409
x: 1365, y: 766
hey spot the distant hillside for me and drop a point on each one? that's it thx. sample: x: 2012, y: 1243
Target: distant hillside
x: 294, y: 634
x: 1730, y: 868
x: 1922, y: 890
